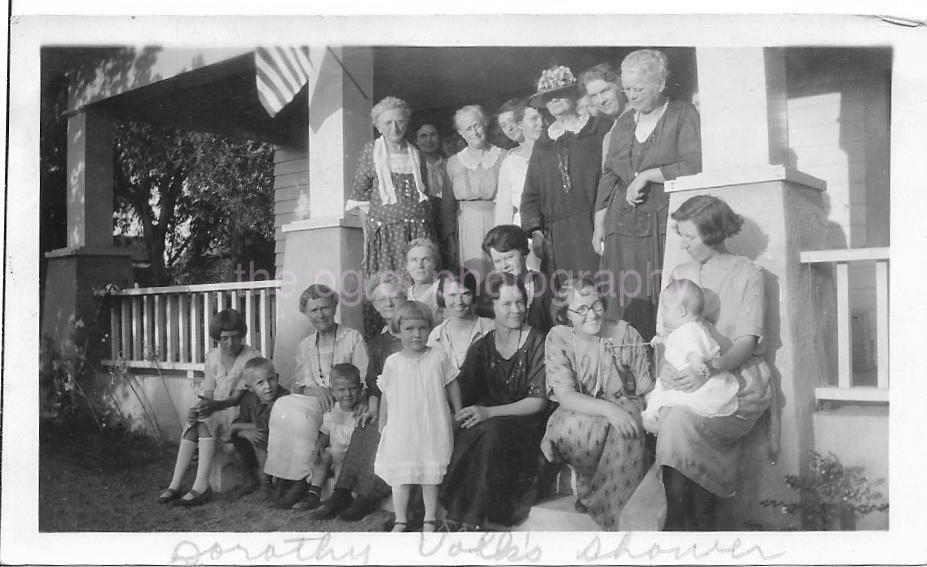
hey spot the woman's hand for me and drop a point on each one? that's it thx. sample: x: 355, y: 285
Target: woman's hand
x: 325, y: 397
x: 537, y: 243
x: 471, y: 416
x: 598, y: 232
x: 687, y: 380
x: 205, y: 407
x: 635, y: 192
x: 623, y: 422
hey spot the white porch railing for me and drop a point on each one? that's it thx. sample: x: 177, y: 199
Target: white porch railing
x: 168, y: 327
x: 846, y: 390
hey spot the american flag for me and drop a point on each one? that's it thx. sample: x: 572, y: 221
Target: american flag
x: 280, y: 73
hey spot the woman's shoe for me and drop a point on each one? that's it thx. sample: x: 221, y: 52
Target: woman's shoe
x: 196, y: 498
x: 169, y: 495
x: 428, y: 526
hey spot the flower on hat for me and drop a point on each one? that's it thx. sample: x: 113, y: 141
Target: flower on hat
x: 556, y: 78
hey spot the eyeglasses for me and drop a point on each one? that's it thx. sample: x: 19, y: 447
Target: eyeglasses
x: 636, y: 90
x: 598, y: 307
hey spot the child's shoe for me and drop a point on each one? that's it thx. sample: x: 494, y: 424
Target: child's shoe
x: 294, y: 494
x: 338, y: 501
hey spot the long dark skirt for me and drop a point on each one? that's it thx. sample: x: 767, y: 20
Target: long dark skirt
x: 357, y: 471
x: 492, y: 470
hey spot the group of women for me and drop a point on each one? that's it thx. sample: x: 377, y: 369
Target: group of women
x: 553, y: 370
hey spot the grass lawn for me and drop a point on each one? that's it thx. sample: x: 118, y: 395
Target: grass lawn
x: 90, y: 482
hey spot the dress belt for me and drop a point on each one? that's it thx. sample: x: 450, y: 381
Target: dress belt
x: 478, y: 204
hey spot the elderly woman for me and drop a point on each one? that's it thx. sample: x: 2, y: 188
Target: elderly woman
x: 386, y: 292
x: 421, y: 265
x: 563, y: 173
x: 496, y: 447
x: 700, y: 455
x: 470, y: 190
x: 656, y: 141
x: 295, y: 419
x: 598, y: 371
x: 210, y: 419
x: 390, y: 190
x: 524, y: 125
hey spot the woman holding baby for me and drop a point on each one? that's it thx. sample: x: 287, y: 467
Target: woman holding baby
x: 699, y: 455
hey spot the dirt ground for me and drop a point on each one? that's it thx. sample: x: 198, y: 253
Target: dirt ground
x: 93, y: 483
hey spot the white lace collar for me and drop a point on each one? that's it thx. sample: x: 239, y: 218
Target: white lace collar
x: 556, y: 130
x: 471, y: 159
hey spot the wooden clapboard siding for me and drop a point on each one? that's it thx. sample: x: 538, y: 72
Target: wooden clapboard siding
x: 839, y: 131
x: 291, y: 183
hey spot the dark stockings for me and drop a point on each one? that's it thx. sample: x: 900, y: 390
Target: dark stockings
x: 689, y: 507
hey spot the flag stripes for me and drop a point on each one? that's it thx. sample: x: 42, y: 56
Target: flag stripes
x: 280, y: 72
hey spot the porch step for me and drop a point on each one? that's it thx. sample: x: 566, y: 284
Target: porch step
x: 557, y: 515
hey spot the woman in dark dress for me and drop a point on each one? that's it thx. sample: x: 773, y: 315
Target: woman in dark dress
x: 559, y: 197
x: 496, y: 448
x: 655, y: 141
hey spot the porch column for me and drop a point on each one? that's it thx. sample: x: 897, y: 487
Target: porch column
x: 90, y: 259
x: 327, y: 247
x: 745, y: 162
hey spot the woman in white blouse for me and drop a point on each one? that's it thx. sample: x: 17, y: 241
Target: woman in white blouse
x: 468, y: 204
x: 517, y: 119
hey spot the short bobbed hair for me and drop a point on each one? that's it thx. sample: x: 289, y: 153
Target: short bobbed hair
x: 425, y: 243
x: 411, y: 310
x: 498, y: 280
x: 345, y: 371
x: 390, y: 103
x: 504, y: 238
x: 465, y: 278
x: 258, y: 363
x: 714, y: 219
x: 317, y: 291
x: 470, y: 109
x: 386, y: 277
x: 651, y: 63
x: 601, y: 72
x: 567, y: 288
x: 227, y: 320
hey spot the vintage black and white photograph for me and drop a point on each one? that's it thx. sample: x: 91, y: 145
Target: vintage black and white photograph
x: 560, y: 289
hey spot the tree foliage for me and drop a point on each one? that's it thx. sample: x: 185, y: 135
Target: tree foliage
x: 202, y: 202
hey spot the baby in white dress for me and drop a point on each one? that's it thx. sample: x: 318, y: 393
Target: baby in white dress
x: 689, y: 345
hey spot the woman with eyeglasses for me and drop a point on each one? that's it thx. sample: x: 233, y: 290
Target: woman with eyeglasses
x: 469, y: 200
x: 598, y: 371
x: 656, y: 141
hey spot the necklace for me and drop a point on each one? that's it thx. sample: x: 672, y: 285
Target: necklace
x: 318, y: 351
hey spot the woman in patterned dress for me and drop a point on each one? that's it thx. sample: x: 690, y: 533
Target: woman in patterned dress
x: 390, y: 190
x: 496, y: 447
x: 598, y: 371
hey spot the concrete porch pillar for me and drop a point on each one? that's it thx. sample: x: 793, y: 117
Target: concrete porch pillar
x: 328, y: 247
x: 90, y: 259
x: 745, y: 147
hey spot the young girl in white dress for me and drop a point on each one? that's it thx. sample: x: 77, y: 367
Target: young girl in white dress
x: 416, y: 437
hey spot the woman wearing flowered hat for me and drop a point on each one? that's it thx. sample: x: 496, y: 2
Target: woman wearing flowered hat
x: 558, y: 201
